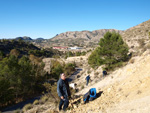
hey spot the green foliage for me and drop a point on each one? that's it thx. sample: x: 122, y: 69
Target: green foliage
x: 70, y: 54
x: 69, y: 68
x: 77, y: 53
x: 19, y: 79
x: 42, y: 52
x: 20, y: 48
x: 83, y: 53
x: 95, y: 59
x: 111, y: 52
x: 5, y: 91
x: 58, y: 68
x: 1, y: 55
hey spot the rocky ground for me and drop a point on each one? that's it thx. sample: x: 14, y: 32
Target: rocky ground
x: 125, y: 90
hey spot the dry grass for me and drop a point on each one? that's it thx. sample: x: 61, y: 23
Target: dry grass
x: 82, y: 87
x: 43, y: 99
x: 88, y: 71
x: 139, y: 92
x: 120, y: 89
x: 27, y: 107
x: 132, y: 61
x: 36, y: 102
x: 127, y: 95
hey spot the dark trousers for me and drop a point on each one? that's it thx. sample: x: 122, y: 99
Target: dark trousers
x: 64, y: 102
x: 87, y: 82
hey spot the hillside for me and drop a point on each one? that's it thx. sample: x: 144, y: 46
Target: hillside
x: 80, y: 38
x: 133, y: 35
x: 26, y: 48
x: 7, y: 45
x: 124, y: 90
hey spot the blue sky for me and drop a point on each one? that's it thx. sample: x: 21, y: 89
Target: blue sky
x: 46, y: 18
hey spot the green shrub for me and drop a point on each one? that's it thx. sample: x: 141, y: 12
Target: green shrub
x: 58, y: 68
x: 22, y: 79
x: 69, y: 68
x: 83, y: 53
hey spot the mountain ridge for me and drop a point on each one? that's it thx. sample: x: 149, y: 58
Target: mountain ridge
x: 85, y: 34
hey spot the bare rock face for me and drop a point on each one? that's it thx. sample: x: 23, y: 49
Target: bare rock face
x: 86, y: 38
x: 80, y: 38
x: 131, y: 36
x: 134, y: 34
x: 87, y: 35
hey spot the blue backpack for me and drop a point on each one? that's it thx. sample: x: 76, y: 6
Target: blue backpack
x: 90, y: 95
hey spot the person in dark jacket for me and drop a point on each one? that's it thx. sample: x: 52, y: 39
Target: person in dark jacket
x: 104, y: 73
x: 87, y: 79
x: 63, y: 92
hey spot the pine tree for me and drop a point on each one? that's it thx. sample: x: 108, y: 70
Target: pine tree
x: 112, y: 51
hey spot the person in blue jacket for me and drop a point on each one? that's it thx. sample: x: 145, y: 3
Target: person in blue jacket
x: 87, y: 79
x: 63, y: 92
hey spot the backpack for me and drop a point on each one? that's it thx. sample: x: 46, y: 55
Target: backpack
x: 90, y: 95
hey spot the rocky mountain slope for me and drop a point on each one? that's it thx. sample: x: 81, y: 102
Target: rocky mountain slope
x: 81, y: 38
x: 133, y: 35
x: 88, y: 35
